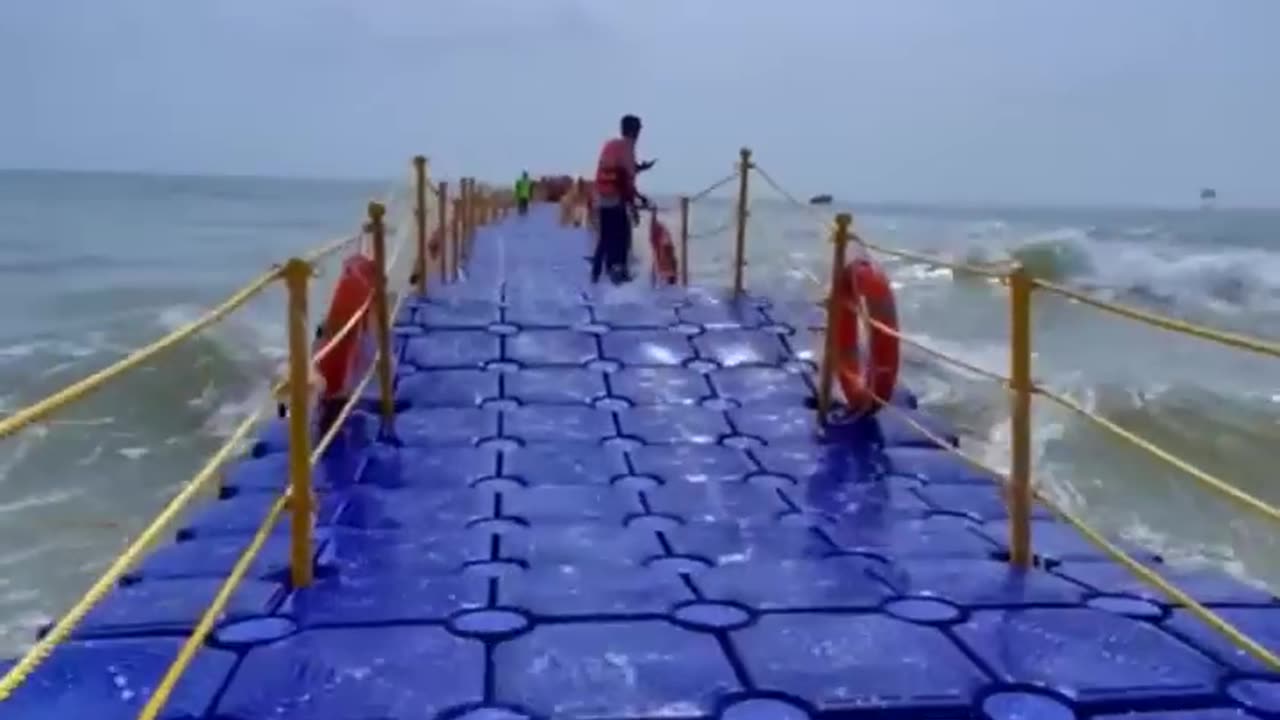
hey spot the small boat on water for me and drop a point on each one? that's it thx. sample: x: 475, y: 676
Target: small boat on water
x: 823, y: 199
x: 1208, y: 197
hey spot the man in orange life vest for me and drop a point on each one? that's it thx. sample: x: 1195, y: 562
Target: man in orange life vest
x: 616, y: 200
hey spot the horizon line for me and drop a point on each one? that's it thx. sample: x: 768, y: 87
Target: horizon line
x: 1196, y: 206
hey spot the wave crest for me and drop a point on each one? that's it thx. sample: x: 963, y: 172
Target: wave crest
x: 1138, y: 266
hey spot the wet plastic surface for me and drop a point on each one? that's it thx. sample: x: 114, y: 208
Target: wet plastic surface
x: 612, y: 502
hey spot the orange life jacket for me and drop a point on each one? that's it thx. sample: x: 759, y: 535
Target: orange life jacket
x: 614, y: 159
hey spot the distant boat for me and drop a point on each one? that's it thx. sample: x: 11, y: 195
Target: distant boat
x: 820, y: 200
x: 1208, y: 196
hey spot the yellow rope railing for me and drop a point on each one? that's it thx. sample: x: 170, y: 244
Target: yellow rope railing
x: 331, y: 343
x: 1234, y: 340
x: 827, y: 226
x: 44, y: 408
x: 1000, y: 270
x: 67, y: 624
x: 186, y: 654
x: 478, y: 209
x: 1227, y: 339
x: 687, y: 233
x: 380, y: 367
x: 938, y: 354
x: 1142, y: 572
x: 219, y: 603
x: 1017, y: 485
x: 1205, y: 478
x: 695, y: 197
x: 360, y: 315
x: 174, y: 509
x: 130, y: 556
x: 1015, y: 278
x: 329, y: 248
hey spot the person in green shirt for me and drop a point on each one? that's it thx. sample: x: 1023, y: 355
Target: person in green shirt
x: 524, y: 192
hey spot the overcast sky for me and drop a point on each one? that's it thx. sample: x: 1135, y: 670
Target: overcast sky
x: 1111, y: 101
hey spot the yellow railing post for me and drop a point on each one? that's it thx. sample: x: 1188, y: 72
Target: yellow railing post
x: 442, y: 204
x: 835, y: 296
x: 458, y: 228
x: 1019, y: 490
x: 456, y: 234
x: 465, y: 197
x: 684, y: 240
x: 479, y: 214
x: 460, y: 222
x: 420, y: 216
x: 473, y: 215
x: 381, y: 311
x: 296, y: 275
x: 744, y: 165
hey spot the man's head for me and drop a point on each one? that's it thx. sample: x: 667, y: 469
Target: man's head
x: 524, y: 174
x: 630, y: 127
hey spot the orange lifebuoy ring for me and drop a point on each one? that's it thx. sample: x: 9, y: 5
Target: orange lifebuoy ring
x: 868, y: 384
x: 665, y: 266
x: 338, y: 367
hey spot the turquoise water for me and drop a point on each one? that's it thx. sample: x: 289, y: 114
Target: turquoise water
x: 96, y: 264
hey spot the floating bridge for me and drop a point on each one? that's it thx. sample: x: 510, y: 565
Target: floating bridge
x: 618, y: 502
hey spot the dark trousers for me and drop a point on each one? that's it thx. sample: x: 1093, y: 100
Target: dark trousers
x: 613, y: 248
x: 522, y: 205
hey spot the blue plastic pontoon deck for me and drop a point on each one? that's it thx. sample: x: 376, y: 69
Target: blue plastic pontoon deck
x: 612, y: 503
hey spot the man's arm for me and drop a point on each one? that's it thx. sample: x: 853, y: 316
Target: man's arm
x: 631, y: 195
x: 627, y: 186
x: 632, y: 198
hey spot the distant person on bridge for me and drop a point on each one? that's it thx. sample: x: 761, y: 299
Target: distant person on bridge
x: 524, y: 192
x: 617, y: 202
